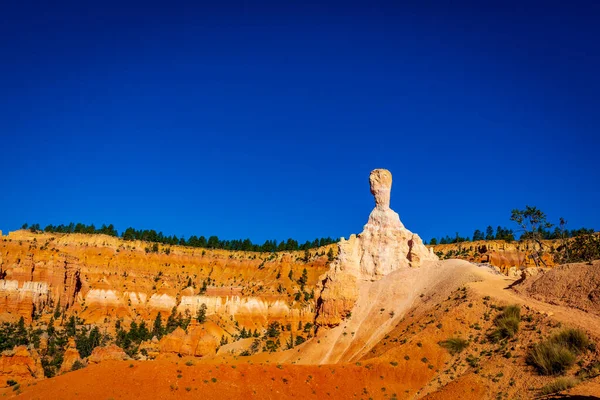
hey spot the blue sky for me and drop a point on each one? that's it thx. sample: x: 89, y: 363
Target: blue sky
x: 264, y: 120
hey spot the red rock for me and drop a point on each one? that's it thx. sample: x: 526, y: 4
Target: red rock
x: 112, y: 352
x: 21, y: 365
x: 198, y: 342
x: 70, y: 357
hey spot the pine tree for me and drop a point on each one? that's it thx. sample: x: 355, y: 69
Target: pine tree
x: 21, y: 333
x: 71, y: 327
x: 478, y: 235
x: 489, y: 233
x: 303, y: 279
x: 330, y: 256
x: 133, y: 332
x: 157, y: 329
x: 201, y: 316
x: 143, y: 333
x: 57, y: 310
x: 172, y: 322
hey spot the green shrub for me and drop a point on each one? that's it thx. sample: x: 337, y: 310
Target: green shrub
x: 575, y: 340
x: 77, y: 365
x: 559, y: 385
x: 454, y: 345
x: 473, y: 361
x: 551, y: 358
x: 512, y: 311
x: 507, y: 323
x: 559, y: 352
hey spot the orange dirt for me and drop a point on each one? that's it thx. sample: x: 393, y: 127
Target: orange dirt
x: 573, y: 285
x: 173, y: 379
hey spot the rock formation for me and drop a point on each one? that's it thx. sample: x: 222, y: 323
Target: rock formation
x: 199, y: 342
x: 70, y: 357
x: 110, y: 352
x: 385, y: 245
x: 20, y: 364
x: 499, y: 253
x: 101, y: 279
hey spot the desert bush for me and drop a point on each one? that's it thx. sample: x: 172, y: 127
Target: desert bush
x: 473, y: 361
x: 558, y: 353
x: 559, y: 385
x: 575, y: 339
x: 512, y: 311
x: 454, y: 345
x: 550, y: 358
x: 77, y: 365
x: 507, y: 323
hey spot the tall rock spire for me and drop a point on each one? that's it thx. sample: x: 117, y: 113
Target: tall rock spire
x: 384, y: 246
x: 381, y: 187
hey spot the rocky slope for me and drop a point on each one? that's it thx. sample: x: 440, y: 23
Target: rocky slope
x: 574, y: 285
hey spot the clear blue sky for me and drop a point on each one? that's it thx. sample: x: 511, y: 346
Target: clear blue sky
x: 264, y: 120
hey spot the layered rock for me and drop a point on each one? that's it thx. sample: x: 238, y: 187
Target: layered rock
x: 22, y: 298
x: 499, y: 253
x: 385, y: 245
x: 21, y: 365
x: 101, y: 279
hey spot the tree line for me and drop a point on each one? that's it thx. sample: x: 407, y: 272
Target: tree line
x: 213, y: 242
x: 574, y: 245
x: 501, y: 233
x: 508, y: 235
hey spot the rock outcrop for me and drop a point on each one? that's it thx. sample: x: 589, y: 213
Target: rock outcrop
x: 111, y: 352
x: 70, y: 357
x: 385, y: 245
x: 198, y: 342
x: 499, y: 253
x: 21, y: 365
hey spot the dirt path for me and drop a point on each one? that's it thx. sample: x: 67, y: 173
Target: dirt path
x: 498, y: 287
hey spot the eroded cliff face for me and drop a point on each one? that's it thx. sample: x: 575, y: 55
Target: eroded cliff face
x: 101, y: 279
x: 508, y: 257
x: 384, y: 246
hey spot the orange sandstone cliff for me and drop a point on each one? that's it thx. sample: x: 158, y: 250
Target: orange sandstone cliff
x: 101, y: 279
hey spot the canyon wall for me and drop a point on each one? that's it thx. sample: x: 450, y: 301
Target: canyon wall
x: 501, y: 254
x: 101, y: 278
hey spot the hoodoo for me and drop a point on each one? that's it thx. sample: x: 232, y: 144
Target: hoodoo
x: 385, y: 245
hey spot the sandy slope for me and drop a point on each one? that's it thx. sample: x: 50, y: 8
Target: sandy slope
x: 381, y: 305
x: 499, y: 288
